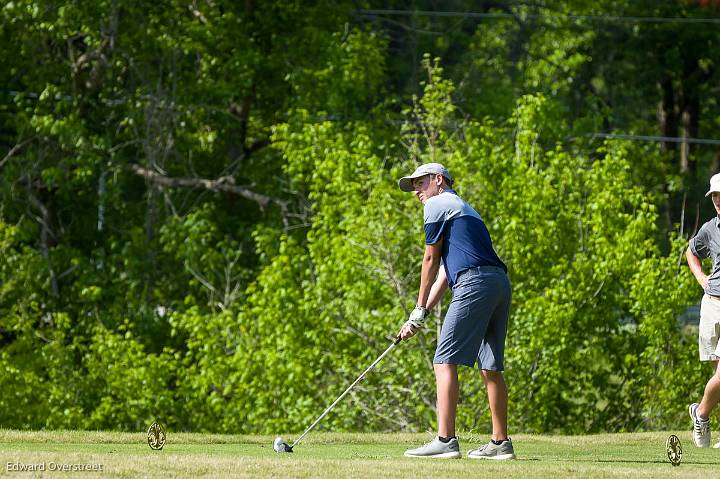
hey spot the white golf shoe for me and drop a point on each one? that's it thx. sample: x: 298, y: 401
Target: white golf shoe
x: 701, y: 429
x: 437, y: 449
x: 497, y: 452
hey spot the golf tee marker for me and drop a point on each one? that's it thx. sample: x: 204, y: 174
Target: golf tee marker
x: 674, y: 450
x: 156, y: 436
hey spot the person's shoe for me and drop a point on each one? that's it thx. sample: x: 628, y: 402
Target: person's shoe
x: 494, y: 451
x: 701, y: 429
x: 437, y: 449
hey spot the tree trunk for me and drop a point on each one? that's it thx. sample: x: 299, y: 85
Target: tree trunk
x: 690, y: 121
x: 667, y: 118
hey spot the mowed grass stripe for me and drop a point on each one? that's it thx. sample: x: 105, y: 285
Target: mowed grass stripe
x: 352, y: 455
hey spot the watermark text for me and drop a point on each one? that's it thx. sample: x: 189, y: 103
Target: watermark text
x: 53, y: 466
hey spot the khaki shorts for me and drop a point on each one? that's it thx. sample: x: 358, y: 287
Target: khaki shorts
x: 709, y: 332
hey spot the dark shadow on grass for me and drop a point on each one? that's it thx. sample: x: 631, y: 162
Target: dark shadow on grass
x: 631, y: 461
x: 626, y: 461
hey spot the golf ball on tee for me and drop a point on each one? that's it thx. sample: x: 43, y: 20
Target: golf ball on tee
x: 276, y: 443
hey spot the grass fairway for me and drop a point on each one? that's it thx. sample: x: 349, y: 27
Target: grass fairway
x: 347, y: 455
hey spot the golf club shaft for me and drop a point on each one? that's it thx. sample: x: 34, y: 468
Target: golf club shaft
x: 395, y: 342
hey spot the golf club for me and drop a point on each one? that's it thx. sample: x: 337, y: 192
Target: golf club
x: 280, y: 446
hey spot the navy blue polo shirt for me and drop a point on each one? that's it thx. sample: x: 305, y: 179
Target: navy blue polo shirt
x: 466, y: 240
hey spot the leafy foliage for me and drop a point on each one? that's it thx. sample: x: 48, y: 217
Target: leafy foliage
x: 200, y: 221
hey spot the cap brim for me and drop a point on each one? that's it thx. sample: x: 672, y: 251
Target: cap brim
x: 711, y: 192
x: 405, y: 184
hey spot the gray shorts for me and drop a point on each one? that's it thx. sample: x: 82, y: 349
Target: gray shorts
x: 475, y: 325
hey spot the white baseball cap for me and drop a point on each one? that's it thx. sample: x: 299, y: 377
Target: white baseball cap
x: 714, y: 184
x: 405, y: 182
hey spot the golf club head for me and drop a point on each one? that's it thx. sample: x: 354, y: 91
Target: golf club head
x: 281, y: 446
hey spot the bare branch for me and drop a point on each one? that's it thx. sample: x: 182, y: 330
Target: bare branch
x: 202, y: 279
x: 197, y: 13
x: 45, y: 233
x: 14, y: 151
x: 223, y: 184
x: 256, y: 145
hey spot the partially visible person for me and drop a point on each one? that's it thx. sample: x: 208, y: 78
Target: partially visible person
x: 706, y: 244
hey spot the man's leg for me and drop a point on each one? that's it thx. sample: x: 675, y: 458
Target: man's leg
x: 498, y: 400
x: 712, y: 393
x: 446, y: 380
x: 708, y: 334
x: 500, y: 447
x: 701, y: 417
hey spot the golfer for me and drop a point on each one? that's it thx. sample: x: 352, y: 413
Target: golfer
x: 476, y: 320
x: 707, y: 244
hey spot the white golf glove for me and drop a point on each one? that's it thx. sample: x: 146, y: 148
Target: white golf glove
x: 417, y: 317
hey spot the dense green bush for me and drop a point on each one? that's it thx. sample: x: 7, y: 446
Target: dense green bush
x: 200, y: 220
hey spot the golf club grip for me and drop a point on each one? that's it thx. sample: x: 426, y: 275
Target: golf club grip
x: 397, y: 340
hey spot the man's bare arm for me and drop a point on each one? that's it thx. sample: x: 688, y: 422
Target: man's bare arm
x: 696, y: 268
x: 438, y: 289
x: 428, y: 275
